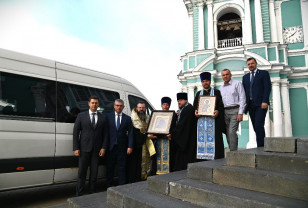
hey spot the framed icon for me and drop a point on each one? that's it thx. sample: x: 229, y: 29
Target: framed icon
x: 160, y: 122
x: 206, y: 105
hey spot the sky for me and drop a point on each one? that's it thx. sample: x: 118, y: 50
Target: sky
x: 139, y: 40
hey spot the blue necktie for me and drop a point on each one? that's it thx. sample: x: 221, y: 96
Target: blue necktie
x: 251, y: 82
x: 118, y: 121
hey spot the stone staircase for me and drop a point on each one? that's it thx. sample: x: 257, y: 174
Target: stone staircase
x: 273, y: 176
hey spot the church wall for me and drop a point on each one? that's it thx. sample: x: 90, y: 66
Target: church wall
x: 265, y: 21
x: 185, y: 65
x: 192, y: 62
x: 272, y: 56
x: 260, y: 51
x: 299, y: 111
x: 233, y: 65
x: 205, y: 14
x: 281, y: 56
x: 195, y: 27
x: 253, y: 21
x: 291, y: 16
x: 297, y: 61
x: 286, y: 62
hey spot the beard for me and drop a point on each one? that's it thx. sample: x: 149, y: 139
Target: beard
x: 142, y: 116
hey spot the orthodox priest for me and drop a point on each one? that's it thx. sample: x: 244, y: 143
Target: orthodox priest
x: 139, y: 162
x: 210, y: 144
x: 164, y: 145
x: 184, y: 134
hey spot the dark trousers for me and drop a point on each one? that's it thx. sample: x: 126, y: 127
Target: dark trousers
x: 134, y: 165
x: 257, y: 116
x: 116, y: 158
x: 87, y: 159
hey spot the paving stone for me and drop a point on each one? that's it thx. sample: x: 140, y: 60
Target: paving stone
x: 302, y: 146
x: 279, y: 162
x: 204, y: 194
x: 284, y: 184
x: 280, y: 144
x: 137, y: 195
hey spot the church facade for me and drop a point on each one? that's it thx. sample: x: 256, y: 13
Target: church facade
x: 224, y: 33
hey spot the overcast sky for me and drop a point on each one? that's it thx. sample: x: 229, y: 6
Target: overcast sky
x: 139, y: 40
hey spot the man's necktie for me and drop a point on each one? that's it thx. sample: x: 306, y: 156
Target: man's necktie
x: 93, y: 120
x: 118, y: 121
x: 251, y: 82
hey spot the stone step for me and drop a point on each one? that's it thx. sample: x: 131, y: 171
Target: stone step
x: 63, y: 205
x: 97, y: 200
x: 302, y: 146
x: 205, y: 194
x: 279, y: 162
x: 203, y: 171
x: 280, y: 144
x: 137, y: 195
x: 284, y: 184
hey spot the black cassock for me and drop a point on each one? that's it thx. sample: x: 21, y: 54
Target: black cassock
x: 184, y: 137
x: 220, y: 125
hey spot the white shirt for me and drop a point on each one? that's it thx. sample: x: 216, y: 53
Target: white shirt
x: 95, y: 116
x: 116, y: 117
x: 233, y: 94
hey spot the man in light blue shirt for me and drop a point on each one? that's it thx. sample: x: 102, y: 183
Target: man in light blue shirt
x: 234, y: 99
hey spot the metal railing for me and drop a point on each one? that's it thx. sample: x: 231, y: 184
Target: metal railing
x: 230, y: 42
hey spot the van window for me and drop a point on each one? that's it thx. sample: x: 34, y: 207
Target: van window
x: 73, y: 99
x: 27, y: 96
x: 133, y: 100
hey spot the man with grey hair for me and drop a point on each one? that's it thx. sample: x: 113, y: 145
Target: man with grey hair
x: 120, y: 142
x: 234, y: 99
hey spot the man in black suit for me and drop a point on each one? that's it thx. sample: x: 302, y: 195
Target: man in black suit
x: 90, y: 140
x: 257, y: 86
x: 120, y: 142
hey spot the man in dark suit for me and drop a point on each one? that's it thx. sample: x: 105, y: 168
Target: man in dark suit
x: 120, y: 142
x: 90, y: 140
x: 257, y: 86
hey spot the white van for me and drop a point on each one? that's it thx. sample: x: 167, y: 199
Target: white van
x: 39, y: 102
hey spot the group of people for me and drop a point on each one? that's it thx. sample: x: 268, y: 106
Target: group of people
x: 192, y: 137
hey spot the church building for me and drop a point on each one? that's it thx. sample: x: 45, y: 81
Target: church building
x: 224, y: 33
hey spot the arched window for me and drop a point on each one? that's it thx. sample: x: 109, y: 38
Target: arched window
x: 229, y: 27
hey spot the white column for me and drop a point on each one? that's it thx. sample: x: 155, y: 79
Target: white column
x: 278, y: 20
x: 252, y: 137
x: 215, y: 35
x: 259, y: 24
x: 191, y: 32
x: 184, y: 89
x: 286, y: 109
x: 274, y: 37
x: 247, y: 29
x: 201, y: 27
x: 277, y: 116
x: 267, y: 125
x: 210, y: 30
x: 191, y: 94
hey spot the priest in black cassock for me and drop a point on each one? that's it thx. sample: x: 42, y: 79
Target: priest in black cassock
x: 210, y: 144
x: 184, y: 134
